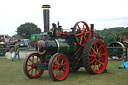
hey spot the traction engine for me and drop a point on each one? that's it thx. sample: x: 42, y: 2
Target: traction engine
x: 117, y: 46
x: 61, y: 52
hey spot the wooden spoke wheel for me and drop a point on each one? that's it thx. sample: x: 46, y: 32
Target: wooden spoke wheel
x: 95, y: 56
x: 58, y: 67
x: 116, y: 50
x: 29, y: 66
x: 82, y: 33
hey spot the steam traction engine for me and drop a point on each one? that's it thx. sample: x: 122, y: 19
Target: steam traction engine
x: 62, y: 52
x: 117, y: 46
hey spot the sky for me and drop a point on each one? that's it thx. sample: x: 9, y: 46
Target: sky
x: 101, y: 13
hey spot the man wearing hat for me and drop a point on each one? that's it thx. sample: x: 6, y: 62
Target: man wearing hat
x: 16, y: 52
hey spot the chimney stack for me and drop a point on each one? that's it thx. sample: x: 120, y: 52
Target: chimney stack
x: 92, y: 26
x: 46, y: 17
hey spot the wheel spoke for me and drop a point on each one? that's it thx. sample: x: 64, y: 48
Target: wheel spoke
x: 92, y: 55
x: 93, y: 50
x: 100, y: 62
x: 78, y: 34
x: 28, y: 65
x: 97, y: 67
x: 102, y: 54
x: 39, y: 61
x: 60, y: 73
x: 81, y: 40
x: 83, y: 28
x: 92, y: 61
x: 33, y: 59
x: 30, y: 60
x: 32, y: 72
x: 63, y: 64
x: 84, y: 38
x: 30, y: 69
x: 96, y: 48
x: 38, y: 70
x: 57, y: 61
x: 79, y: 28
x: 55, y: 72
x: 94, y: 66
x: 62, y: 61
x: 87, y: 32
x: 99, y: 47
x: 64, y: 69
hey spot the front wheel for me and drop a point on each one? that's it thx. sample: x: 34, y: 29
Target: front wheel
x: 29, y: 66
x: 58, y: 67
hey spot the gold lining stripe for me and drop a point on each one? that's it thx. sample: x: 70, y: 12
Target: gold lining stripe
x: 58, y: 49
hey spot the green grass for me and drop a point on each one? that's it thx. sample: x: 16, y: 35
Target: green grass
x: 11, y: 73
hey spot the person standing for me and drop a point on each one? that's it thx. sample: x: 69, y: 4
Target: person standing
x: 16, y: 52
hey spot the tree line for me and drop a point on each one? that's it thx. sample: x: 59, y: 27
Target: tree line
x: 117, y: 30
x: 25, y: 31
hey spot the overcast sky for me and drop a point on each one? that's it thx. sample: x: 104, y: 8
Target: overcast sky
x: 102, y: 13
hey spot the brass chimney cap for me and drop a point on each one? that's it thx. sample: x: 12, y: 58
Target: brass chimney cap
x: 46, y: 6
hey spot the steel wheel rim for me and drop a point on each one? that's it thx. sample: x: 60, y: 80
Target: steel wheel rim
x: 98, y: 57
x: 118, y: 51
x: 60, y: 67
x: 82, y: 35
x: 31, y: 68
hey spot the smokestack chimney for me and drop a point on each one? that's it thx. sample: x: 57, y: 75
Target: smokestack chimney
x: 92, y: 26
x: 46, y: 17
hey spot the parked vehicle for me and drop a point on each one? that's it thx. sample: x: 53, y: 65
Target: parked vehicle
x: 2, y: 46
x: 23, y: 43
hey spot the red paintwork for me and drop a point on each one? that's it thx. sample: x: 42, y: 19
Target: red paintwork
x: 82, y: 33
x: 56, y: 64
x: 98, y: 57
x: 31, y: 68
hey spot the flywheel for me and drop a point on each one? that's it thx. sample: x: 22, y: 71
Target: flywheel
x: 82, y: 33
x: 109, y: 38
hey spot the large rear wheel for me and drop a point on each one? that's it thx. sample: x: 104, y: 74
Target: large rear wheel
x: 95, y: 56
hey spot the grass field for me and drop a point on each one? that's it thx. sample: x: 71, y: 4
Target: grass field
x: 11, y: 73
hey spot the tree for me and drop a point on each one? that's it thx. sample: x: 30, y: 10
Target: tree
x: 16, y: 36
x: 25, y: 30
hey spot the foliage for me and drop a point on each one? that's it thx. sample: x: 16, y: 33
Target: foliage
x: 25, y: 30
x: 117, y: 30
x: 16, y: 36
